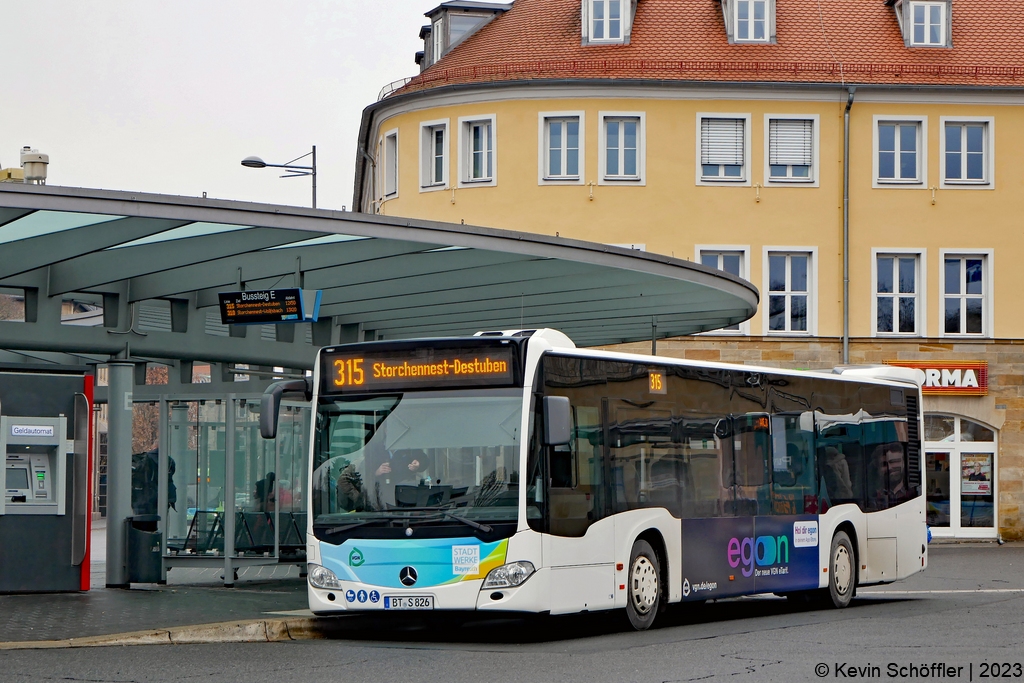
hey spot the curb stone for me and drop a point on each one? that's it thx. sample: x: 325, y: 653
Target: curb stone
x: 252, y: 631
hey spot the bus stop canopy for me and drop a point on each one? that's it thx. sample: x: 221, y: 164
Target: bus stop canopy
x: 134, y: 276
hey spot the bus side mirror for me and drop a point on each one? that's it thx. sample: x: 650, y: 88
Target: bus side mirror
x: 557, y: 421
x: 270, y: 403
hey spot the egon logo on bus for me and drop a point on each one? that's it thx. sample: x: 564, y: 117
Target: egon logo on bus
x: 764, y: 551
x: 760, y: 556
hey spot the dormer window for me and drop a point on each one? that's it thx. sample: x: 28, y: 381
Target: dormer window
x: 607, y: 21
x: 924, y: 23
x: 437, y: 40
x: 749, y: 21
x: 929, y: 23
x: 453, y: 22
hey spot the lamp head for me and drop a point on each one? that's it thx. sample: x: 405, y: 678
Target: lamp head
x: 254, y: 162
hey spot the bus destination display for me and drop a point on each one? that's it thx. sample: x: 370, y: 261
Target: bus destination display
x: 391, y: 370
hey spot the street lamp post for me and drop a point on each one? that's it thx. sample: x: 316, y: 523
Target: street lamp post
x: 295, y: 170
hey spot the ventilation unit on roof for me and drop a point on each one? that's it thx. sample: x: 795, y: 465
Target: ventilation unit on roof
x: 34, y: 165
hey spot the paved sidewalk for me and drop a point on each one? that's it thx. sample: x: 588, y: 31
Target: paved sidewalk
x: 103, y: 611
x: 192, y: 596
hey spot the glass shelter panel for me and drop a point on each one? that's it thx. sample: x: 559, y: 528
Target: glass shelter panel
x: 269, y: 479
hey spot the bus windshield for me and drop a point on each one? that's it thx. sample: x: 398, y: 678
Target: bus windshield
x: 416, y: 456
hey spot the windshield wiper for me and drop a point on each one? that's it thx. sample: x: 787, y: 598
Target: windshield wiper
x: 354, y: 525
x: 447, y: 514
x: 486, y: 528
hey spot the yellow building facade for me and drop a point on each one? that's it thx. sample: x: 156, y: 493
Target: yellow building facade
x: 750, y: 177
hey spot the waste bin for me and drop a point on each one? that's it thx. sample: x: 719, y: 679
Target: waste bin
x: 144, y: 562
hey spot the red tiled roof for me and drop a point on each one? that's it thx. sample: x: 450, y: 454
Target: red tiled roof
x: 856, y: 41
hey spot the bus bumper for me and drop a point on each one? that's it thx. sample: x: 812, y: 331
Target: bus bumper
x: 463, y: 596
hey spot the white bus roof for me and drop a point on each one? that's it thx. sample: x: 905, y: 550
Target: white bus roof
x: 881, y: 374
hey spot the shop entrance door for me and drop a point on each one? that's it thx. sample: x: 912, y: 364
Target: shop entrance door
x: 960, y: 477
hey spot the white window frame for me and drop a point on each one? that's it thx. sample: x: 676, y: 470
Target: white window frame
x: 943, y: 25
x: 920, y: 307
x: 427, y: 128
x: 812, y: 291
x: 385, y: 167
x: 437, y: 40
x: 465, y: 160
x: 988, y: 292
x: 769, y: 23
x: 641, y: 149
x: 989, y: 183
x: 921, y: 182
x: 542, y: 148
x: 586, y: 23
x: 744, y: 179
x: 744, y: 251
x: 813, y: 180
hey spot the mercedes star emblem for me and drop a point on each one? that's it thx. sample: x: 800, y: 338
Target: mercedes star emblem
x: 407, y: 576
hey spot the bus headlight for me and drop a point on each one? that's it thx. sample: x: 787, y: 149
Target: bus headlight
x: 322, y: 577
x: 507, y: 576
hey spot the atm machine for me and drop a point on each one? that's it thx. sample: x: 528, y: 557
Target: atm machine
x: 36, y: 465
x: 44, y: 510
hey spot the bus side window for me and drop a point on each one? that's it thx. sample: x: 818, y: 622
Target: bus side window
x: 885, y: 442
x: 840, y: 460
x: 752, y: 453
x: 640, y: 438
x: 562, y: 468
x: 702, y: 484
x: 575, y: 474
x: 794, y: 485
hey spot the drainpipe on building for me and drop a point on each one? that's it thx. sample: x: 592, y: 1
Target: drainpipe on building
x: 846, y: 226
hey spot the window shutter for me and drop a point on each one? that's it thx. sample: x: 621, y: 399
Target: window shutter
x: 790, y: 142
x: 721, y: 141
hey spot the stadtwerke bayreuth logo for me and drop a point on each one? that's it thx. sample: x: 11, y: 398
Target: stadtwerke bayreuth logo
x: 355, y: 558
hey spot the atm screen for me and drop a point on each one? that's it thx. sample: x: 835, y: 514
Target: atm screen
x: 17, y: 478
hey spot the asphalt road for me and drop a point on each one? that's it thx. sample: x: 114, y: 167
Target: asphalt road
x: 967, y: 611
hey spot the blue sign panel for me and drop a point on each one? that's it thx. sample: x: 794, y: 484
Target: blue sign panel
x: 726, y: 556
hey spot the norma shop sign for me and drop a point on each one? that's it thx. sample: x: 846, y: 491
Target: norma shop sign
x: 951, y: 378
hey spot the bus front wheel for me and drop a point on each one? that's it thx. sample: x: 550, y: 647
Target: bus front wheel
x: 842, y: 569
x: 644, y: 587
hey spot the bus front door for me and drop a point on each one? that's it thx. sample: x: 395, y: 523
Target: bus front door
x: 578, y: 547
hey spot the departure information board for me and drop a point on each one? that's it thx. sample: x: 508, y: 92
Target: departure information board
x: 261, y: 306
x: 366, y: 370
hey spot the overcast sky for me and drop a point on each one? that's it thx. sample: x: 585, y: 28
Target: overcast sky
x: 168, y: 97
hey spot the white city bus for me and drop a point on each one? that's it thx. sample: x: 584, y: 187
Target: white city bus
x: 514, y: 472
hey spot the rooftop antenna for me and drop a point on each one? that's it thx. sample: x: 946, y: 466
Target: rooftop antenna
x: 521, y: 295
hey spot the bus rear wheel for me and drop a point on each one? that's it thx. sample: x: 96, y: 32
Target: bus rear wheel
x: 644, y: 590
x: 842, y: 577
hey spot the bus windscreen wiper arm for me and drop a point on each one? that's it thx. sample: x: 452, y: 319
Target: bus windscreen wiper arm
x: 468, y: 522
x: 346, y: 527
